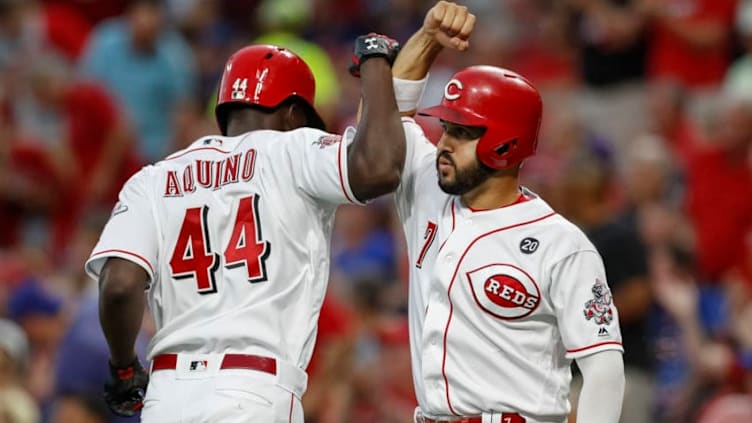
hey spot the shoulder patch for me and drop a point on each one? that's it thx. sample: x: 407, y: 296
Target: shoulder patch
x: 327, y: 140
x: 599, y: 307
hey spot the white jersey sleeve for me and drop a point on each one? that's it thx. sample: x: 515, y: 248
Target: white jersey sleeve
x: 582, y: 301
x: 131, y: 232
x: 320, y: 164
x: 418, y: 151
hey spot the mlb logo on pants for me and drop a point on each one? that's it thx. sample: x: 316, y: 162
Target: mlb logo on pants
x: 198, y: 365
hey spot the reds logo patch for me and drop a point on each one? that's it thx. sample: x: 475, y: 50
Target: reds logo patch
x: 504, y: 291
x: 327, y: 140
x: 599, y: 308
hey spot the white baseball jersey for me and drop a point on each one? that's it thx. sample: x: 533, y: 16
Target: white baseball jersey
x: 501, y: 300
x: 234, y: 233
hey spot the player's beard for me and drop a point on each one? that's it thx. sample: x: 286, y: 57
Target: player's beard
x: 465, y: 179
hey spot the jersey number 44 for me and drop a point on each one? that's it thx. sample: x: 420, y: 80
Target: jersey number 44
x: 193, y: 256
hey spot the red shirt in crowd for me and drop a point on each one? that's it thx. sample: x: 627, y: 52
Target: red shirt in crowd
x: 719, y: 204
x: 66, y: 29
x: 671, y: 57
x: 91, y: 118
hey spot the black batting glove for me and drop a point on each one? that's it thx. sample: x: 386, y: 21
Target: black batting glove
x: 125, y: 389
x: 372, y: 45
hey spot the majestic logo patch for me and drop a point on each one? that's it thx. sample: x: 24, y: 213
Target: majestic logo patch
x: 529, y: 245
x: 119, y: 208
x: 504, y: 291
x: 327, y: 140
x: 599, y: 308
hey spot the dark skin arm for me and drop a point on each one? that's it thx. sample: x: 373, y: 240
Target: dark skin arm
x: 377, y: 154
x: 121, y: 307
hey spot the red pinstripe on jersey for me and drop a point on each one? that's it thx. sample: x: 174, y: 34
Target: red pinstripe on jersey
x: 173, y: 157
x: 134, y: 255
x: 449, y: 296
x: 594, y: 346
x: 451, y: 204
x: 292, y: 401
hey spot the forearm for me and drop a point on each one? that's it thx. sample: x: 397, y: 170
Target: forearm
x: 416, y: 57
x: 121, y: 308
x: 377, y: 155
x: 602, y: 387
x: 709, y: 359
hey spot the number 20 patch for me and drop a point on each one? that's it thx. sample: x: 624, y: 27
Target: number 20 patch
x: 529, y: 245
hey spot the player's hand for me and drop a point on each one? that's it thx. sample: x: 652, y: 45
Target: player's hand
x: 450, y: 25
x: 372, y: 45
x: 125, y: 389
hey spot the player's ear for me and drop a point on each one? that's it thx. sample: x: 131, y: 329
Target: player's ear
x: 295, y: 116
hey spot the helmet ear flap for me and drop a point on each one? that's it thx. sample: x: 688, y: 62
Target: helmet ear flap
x: 506, y: 147
x: 497, y: 155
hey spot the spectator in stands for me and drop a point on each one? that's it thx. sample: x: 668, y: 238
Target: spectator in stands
x: 83, y: 133
x: 612, y: 52
x: 363, y: 243
x: 719, y: 180
x: 719, y: 367
x: 16, y: 405
x: 738, y: 79
x: 328, y: 397
x: 588, y: 190
x: 149, y: 68
x: 81, y: 409
x: 38, y: 311
x: 690, y: 43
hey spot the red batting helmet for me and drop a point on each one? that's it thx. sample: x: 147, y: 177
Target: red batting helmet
x: 266, y: 76
x: 503, y: 102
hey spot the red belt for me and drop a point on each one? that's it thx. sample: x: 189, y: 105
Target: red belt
x: 505, y: 417
x: 230, y: 361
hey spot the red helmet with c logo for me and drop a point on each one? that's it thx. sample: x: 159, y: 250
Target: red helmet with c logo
x: 503, y: 102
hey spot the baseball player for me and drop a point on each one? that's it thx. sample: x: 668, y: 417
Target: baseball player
x: 230, y: 239
x: 504, y: 292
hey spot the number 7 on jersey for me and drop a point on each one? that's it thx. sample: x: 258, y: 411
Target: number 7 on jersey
x: 194, y: 258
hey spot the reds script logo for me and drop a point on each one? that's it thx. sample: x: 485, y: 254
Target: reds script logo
x: 599, y: 308
x: 504, y: 291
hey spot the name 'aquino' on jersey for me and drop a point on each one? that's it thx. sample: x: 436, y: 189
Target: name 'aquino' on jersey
x: 210, y: 174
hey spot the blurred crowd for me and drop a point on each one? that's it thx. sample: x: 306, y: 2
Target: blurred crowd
x: 646, y: 144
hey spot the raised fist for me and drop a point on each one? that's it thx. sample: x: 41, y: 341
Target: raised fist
x: 372, y: 45
x: 450, y: 25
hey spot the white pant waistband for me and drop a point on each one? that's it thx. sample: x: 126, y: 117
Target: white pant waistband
x: 200, y: 366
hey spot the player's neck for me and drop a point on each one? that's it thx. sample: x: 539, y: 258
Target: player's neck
x: 495, y: 192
